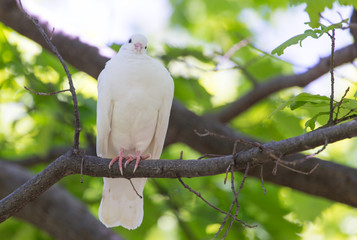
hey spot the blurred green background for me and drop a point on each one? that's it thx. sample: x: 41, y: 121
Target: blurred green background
x: 33, y: 125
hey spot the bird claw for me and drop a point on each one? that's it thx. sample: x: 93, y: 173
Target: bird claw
x: 137, y: 159
x: 113, y: 161
x: 120, y: 159
x: 128, y: 159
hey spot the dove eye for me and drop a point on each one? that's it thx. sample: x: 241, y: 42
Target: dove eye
x: 130, y: 40
x: 146, y: 47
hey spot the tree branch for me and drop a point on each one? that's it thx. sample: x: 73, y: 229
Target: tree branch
x: 56, y: 211
x: 80, y: 55
x: 88, y: 59
x: 77, y: 125
x: 70, y: 163
x: 263, y: 90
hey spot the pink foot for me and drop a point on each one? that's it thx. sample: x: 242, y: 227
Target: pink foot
x: 120, y: 159
x: 138, y: 158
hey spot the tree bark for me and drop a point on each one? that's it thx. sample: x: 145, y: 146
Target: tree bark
x: 55, y: 211
x: 71, y: 163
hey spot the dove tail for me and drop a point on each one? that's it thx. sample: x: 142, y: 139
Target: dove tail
x: 121, y: 205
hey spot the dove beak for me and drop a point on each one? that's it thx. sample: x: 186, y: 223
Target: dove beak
x: 138, y: 47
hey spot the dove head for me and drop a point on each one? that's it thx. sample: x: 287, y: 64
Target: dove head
x: 136, y: 44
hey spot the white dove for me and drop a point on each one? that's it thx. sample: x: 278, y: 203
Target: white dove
x: 135, y: 95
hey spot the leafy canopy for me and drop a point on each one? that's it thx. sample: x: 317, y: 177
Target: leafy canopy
x: 32, y: 125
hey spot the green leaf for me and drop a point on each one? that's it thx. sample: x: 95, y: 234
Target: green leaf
x: 319, y: 30
x: 312, y: 121
x: 116, y: 47
x: 297, y: 104
x: 325, y: 29
x: 294, y: 40
x: 305, y: 98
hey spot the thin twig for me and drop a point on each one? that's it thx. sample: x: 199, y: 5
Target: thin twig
x: 275, y: 169
x: 235, y: 201
x: 332, y: 36
x: 235, y: 48
x: 46, y: 94
x: 52, y: 33
x: 134, y: 188
x: 299, y: 161
x: 209, y: 155
x: 326, y: 19
x: 226, y: 177
x: 231, y: 166
x: 209, y: 133
x: 262, y: 179
x: 338, y: 105
x: 298, y: 171
x: 319, y: 151
x: 347, y: 116
x: 212, y: 206
x: 64, y: 65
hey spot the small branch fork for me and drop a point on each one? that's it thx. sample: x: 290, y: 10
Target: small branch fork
x: 234, y: 202
x: 269, y: 152
x: 71, y: 86
x: 211, y: 205
x: 230, y: 168
x: 235, y: 193
x: 345, y: 117
x: 336, y: 120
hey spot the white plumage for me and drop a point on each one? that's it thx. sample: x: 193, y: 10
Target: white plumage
x: 135, y: 95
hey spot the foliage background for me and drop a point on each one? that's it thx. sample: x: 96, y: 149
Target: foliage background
x: 33, y: 125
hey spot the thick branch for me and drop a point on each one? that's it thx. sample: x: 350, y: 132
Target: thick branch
x: 33, y: 188
x: 56, y: 211
x: 330, y: 180
x: 70, y: 163
x: 80, y: 55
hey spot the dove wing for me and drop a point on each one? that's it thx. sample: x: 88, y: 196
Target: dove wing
x: 104, y: 115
